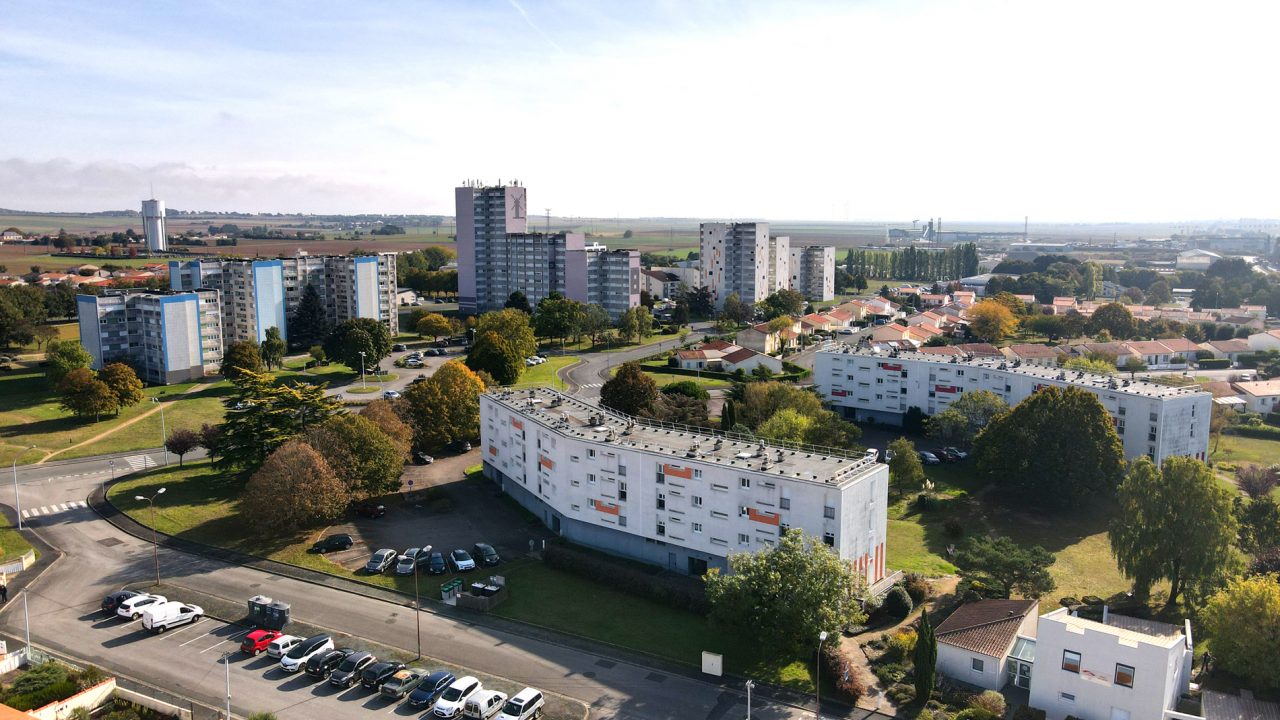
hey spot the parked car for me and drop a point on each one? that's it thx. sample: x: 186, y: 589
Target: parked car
x: 132, y: 607
x: 113, y: 600
x: 960, y: 454
x: 420, y: 378
x: 282, y: 645
x: 390, y: 395
x: 413, y: 362
x: 333, y: 543
x: 373, y: 676
x: 160, y: 617
x: 424, y: 459
x: 484, y: 554
x: 348, y: 672
x: 484, y: 705
x: 399, y: 347
x: 929, y: 458
x: 524, y: 705
x: 299, y: 654
x: 436, y: 564
x: 461, y: 561
x: 371, y: 510
x: 455, y: 697
x: 529, y: 362
x: 407, y: 562
x: 428, y: 691
x: 403, y: 683
x: 944, y: 455
x: 380, y: 561
x: 460, y: 446
x: 872, y: 454
x: 321, y: 664
x: 259, y: 640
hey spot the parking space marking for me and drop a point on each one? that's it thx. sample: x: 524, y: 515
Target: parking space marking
x: 188, y: 626
x: 198, y: 637
x: 229, y: 638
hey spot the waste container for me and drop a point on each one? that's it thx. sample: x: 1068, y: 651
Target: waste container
x: 258, y: 609
x: 491, y: 590
x: 277, y: 615
x: 477, y: 589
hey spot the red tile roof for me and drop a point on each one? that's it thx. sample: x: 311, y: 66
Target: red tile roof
x: 739, y: 355
x: 987, y: 626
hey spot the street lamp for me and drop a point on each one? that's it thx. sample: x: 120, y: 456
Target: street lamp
x: 112, y: 465
x: 226, y: 661
x: 362, y: 385
x: 750, y: 686
x: 817, y: 676
x: 163, y: 434
x: 417, y: 603
x: 16, y: 499
x: 155, y: 541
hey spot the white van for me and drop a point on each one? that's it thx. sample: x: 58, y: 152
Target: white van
x: 282, y: 645
x: 158, y: 618
x: 484, y: 705
x: 524, y: 705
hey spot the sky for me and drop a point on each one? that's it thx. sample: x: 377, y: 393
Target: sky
x: 1076, y: 111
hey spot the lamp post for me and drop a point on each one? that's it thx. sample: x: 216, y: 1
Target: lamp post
x: 750, y: 686
x: 164, y: 436
x: 817, y: 677
x: 417, y: 603
x: 17, y: 499
x: 155, y: 541
x: 226, y: 661
x: 110, y: 464
x: 362, y: 384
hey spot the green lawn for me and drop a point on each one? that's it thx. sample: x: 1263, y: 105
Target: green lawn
x: 189, y: 412
x: 545, y: 374
x: 1235, y: 449
x: 69, y: 330
x: 586, y: 346
x: 12, y: 544
x: 662, y: 378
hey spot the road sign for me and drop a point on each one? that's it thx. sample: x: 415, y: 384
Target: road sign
x: 410, y: 483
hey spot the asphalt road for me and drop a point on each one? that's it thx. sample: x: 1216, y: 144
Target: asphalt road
x: 586, y: 377
x: 99, y: 558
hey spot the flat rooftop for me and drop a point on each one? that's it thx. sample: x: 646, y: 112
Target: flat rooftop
x: 574, y: 418
x: 1092, y: 381
x: 1130, y: 630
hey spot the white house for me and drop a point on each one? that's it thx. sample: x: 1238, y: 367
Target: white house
x: 1121, y: 668
x: 989, y: 643
x: 1230, y: 349
x: 406, y: 296
x: 722, y: 356
x: 747, y: 360
x: 1262, y: 396
x: 758, y: 338
x: 1269, y: 340
x: 1033, y: 354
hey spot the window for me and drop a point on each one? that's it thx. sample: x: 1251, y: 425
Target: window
x: 662, y: 501
x: 829, y: 512
x: 697, y: 528
x: 622, y: 520
x: 1067, y: 697
x: 744, y: 539
x: 1124, y: 675
x: 977, y: 664
x: 591, y: 452
x: 591, y: 478
x: 662, y: 528
x: 829, y: 538
x: 742, y: 511
x: 1071, y: 661
x: 622, y: 491
x: 721, y: 488
x: 784, y: 503
x: 744, y: 482
x: 1122, y: 410
x: 576, y: 508
x: 697, y: 474
x: 695, y: 500
x: 622, y: 470
x: 661, y: 478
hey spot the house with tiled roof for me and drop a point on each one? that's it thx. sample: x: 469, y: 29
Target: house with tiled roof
x: 1063, y: 305
x: 1262, y: 396
x: 1230, y: 349
x: 748, y: 360
x: 1269, y: 340
x: 1160, y: 354
x: 977, y: 642
x: 758, y: 338
x: 1034, y: 354
x: 815, y: 321
x: 932, y: 300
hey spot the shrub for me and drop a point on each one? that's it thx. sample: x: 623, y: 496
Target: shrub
x: 897, y: 604
x: 917, y: 588
x: 1261, y: 432
x: 925, y: 502
x: 975, y: 714
x: 901, y: 646
x: 1215, y: 363
x: 681, y: 593
x: 842, y: 674
x: 1028, y: 713
x: 891, y: 673
x: 901, y: 694
x: 953, y: 528
x: 60, y: 690
x: 990, y: 701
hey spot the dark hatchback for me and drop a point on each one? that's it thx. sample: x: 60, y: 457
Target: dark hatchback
x: 321, y: 664
x: 333, y: 543
x: 348, y: 672
x: 484, y: 554
x: 436, y: 564
x: 429, y: 689
x: 378, y: 673
x: 112, y: 602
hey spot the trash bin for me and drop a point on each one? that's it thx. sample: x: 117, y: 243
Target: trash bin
x: 491, y: 590
x: 277, y: 615
x: 258, y: 609
x: 477, y: 589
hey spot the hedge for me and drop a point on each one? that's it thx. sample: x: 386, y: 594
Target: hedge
x: 1215, y: 364
x: 1273, y: 418
x: 1261, y: 432
x: 841, y: 673
x: 715, y: 375
x: 682, y: 594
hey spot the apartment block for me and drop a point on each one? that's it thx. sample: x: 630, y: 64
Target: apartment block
x: 813, y: 272
x: 677, y: 497
x: 613, y: 279
x: 484, y: 218
x: 1158, y: 421
x: 168, y: 337
x: 779, y: 264
x: 736, y: 258
x: 260, y: 294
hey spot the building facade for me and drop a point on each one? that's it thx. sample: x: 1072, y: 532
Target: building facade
x: 779, y: 264
x: 484, y: 218
x: 153, y: 225
x: 1158, y: 421
x: 735, y: 258
x: 613, y: 279
x: 168, y: 337
x: 260, y: 294
x: 813, y: 272
x: 676, y: 497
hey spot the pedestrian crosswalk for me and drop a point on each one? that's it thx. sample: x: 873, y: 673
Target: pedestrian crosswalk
x: 53, y: 509
x: 140, y: 462
x: 591, y: 385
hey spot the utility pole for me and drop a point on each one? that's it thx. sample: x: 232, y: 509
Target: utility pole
x: 226, y: 661
x: 750, y: 686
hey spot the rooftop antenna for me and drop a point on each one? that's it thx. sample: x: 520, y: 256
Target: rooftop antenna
x: 548, y: 221
x: 153, y: 191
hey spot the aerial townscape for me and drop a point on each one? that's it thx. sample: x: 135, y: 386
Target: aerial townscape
x: 945, y: 385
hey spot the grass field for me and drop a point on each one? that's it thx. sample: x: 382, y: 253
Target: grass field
x: 12, y: 544
x: 66, y: 331
x: 1235, y: 449
x: 545, y: 374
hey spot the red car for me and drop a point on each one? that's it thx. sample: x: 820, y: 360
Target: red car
x: 258, y: 640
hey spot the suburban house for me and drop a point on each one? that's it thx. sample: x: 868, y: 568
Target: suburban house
x: 1063, y: 305
x: 758, y: 338
x: 1230, y: 349
x: 989, y: 643
x: 1262, y: 396
x: 748, y: 360
x: 406, y: 296
x: 1157, y: 355
x: 721, y: 356
x: 964, y: 297
x: 1119, y: 668
x: 931, y: 300
x: 817, y: 321
x: 1033, y: 354
x: 1117, y: 350
x: 1269, y: 340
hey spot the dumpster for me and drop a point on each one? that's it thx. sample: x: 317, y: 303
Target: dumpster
x: 258, y: 609
x: 277, y: 615
x: 477, y: 589
x: 491, y: 590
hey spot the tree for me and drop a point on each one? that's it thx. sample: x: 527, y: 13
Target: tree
x: 697, y: 301
x: 64, y: 356
x: 1115, y: 319
x: 446, y: 407
x: 728, y: 416
x: 350, y: 338
x: 683, y: 410
x: 558, y: 317
x: 241, y: 357
x: 737, y: 310
x: 123, y: 383
x: 634, y: 324
x: 1054, y: 449
x: 511, y: 325
x: 43, y: 334
x: 272, y: 349
x: 268, y: 416
x: 680, y: 313
x: 1256, y: 481
x: 1096, y: 365
x: 963, y: 419
x: 433, y: 325
x: 779, y: 325
x: 925, y: 657
x: 1259, y: 522
x: 518, y: 301
x: 631, y: 391
x: 820, y: 593
x: 1006, y: 567
x: 317, y: 354
x: 84, y: 394
x: 383, y: 414
x: 294, y: 488
x: 1174, y: 523
x: 1243, y: 624
x: 991, y: 320
x: 786, y: 425
x: 310, y: 323
x: 785, y: 302
x: 182, y: 441
x: 906, y: 474
x: 494, y: 355
x: 360, y: 454
x: 1159, y: 293
x: 688, y: 388
x: 594, y: 322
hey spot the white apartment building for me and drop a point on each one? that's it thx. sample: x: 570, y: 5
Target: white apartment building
x: 260, y: 294
x: 1121, y: 668
x: 779, y: 264
x: 736, y: 258
x: 676, y: 497
x: 613, y: 279
x: 1154, y: 420
x: 813, y: 272
x: 168, y: 337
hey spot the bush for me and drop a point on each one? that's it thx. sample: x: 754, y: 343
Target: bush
x: 1028, y: 713
x: 917, y: 588
x: 1273, y: 418
x: 901, y: 645
x: 681, y: 593
x: 841, y: 673
x: 901, y: 694
x: 975, y: 714
x: 897, y: 604
x: 1215, y: 363
x: 925, y: 502
x: 890, y: 673
x: 60, y: 690
x: 990, y: 701
x: 686, y: 387
x: 1261, y: 432
x: 953, y: 528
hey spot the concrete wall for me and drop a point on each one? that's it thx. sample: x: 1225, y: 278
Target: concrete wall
x: 957, y: 664
x: 89, y: 698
